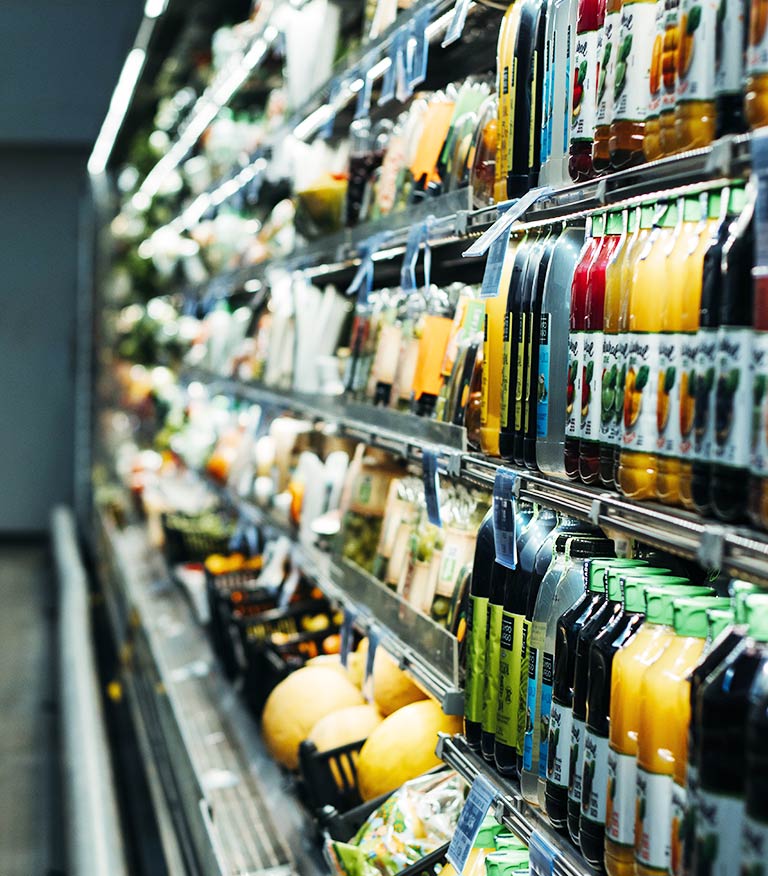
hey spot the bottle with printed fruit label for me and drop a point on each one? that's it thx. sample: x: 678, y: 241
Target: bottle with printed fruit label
x: 606, y: 82
x: 695, y: 112
x: 754, y: 839
x: 631, y: 93
x: 756, y: 97
x: 584, y: 99
x: 592, y: 375
x: 600, y: 102
x: 663, y: 730
x: 652, y: 132
x: 669, y: 60
x: 730, y: 51
x: 638, y: 459
x: 758, y: 482
x: 505, y: 82
x: 576, y: 367
x: 629, y: 666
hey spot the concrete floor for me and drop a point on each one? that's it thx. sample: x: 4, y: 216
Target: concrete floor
x: 29, y: 758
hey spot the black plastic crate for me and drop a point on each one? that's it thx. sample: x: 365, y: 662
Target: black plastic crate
x: 329, y: 778
x: 186, y: 543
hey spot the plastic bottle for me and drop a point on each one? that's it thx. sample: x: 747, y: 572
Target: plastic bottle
x: 756, y: 97
x: 584, y: 100
x: 477, y: 622
x: 729, y: 485
x: 592, y: 395
x: 564, y: 27
x: 629, y: 665
x: 754, y: 840
x: 652, y: 131
x: 662, y: 734
x: 637, y: 459
x: 695, y: 115
x: 505, y: 59
x: 606, y: 82
x: 672, y: 44
x: 758, y: 467
x: 553, y: 351
x: 631, y: 93
x: 730, y: 51
x: 576, y: 345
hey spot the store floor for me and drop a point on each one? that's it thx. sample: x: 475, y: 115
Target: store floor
x: 29, y: 750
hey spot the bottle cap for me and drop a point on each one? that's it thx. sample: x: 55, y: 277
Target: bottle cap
x: 633, y: 588
x: 509, y: 841
x: 581, y: 548
x: 740, y: 592
x: 719, y: 619
x: 692, y: 208
x: 615, y: 577
x: 633, y: 217
x: 614, y: 222
x: 598, y: 224
x: 659, y: 599
x: 757, y: 616
x: 690, y: 615
x: 486, y: 836
x: 669, y: 219
x: 596, y: 571
x: 714, y: 205
x: 646, y: 215
x: 737, y: 200
x: 506, y: 862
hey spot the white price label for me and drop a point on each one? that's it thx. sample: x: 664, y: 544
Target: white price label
x: 481, y: 796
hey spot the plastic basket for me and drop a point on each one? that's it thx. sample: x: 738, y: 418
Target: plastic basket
x: 329, y: 778
x: 186, y: 544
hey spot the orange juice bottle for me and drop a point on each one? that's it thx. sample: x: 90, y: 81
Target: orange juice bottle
x: 637, y: 459
x: 756, y: 98
x: 629, y: 666
x: 652, y: 131
x: 662, y: 733
x: 669, y: 53
x: 695, y: 94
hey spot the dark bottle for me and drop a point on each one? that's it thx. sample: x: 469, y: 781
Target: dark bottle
x: 512, y: 328
x: 555, y: 801
x: 510, y: 672
x: 523, y: 516
x: 525, y: 441
x: 730, y: 49
x: 477, y: 630
x: 754, y: 840
x: 729, y: 484
x: 537, y: 98
x: 584, y: 98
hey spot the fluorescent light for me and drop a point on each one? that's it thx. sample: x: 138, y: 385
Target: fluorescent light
x: 118, y: 106
x: 155, y: 8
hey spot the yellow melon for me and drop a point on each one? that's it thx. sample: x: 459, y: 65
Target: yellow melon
x: 355, y: 665
x: 402, y: 747
x: 392, y: 688
x: 352, y: 724
x: 298, y: 703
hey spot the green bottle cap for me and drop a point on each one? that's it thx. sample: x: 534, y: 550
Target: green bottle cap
x: 719, y: 619
x: 633, y: 589
x: 740, y: 591
x: 646, y: 215
x: 692, y: 208
x: 486, y: 836
x: 506, y: 862
x: 615, y: 578
x: 737, y: 200
x: 633, y: 218
x: 714, y: 205
x: 614, y: 223
x: 597, y: 575
x: 509, y: 841
x: 757, y: 616
x: 669, y: 219
x: 660, y: 598
x: 598, y: 224
x: 690, y: 615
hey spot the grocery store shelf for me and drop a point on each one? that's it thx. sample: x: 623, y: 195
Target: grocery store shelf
x: 739, y: 551
x: 224, y: 800
x: 510, y: 807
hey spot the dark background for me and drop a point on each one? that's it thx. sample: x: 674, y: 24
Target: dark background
x: 59, y: 64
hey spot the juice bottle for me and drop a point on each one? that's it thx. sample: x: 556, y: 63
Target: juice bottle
x: 652, y: 131
x: 721, y: 714
x: 733, y: 374
x: 670, y: 52
x: 564, y: 27
x: 553, y: 598
x: 754, y: 840
x: 553, y: 351
x: 629, y: 665
x: 584, y: 100
x: 695, y: 115
x: 606, y: 82
x: 511, y: 671
x: 637, y: 459
x: 555, y: 799
x: 505, y: 58
x: 610, y: 394
x: 591, y: 409
x: 756, y: 97
x: 477, y: 623
x: 594, y: 783
x: 536, y: 98
x: 576, y: 367
x: 706, y: 348
x: 631, y: 91
x: 730, y: 51
x: 545, y: 131
x: 664, y: 713
x: 758, y: 481
x: 493, y: 352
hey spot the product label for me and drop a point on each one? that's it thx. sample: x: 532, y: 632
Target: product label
x: 532, y: 122
x: 578, y: 731
x: 522, y: 634
x: 532, y: 738
x: 640, y: 391
x: 733, y: 397
x: 591, y: 379
x: 633, y: 62
x: 532, y: 327
x: 687, y: 393
x: 668, y: 398
x: 606, y: 76
x: 542, y: 384
x: 654, y: 78
x: 583, y: 107
x: 696, y: 52
x: 729, y: 32
x: 594, y: 778
x: 703, y: 381
x: 559, y: 745
x: 673, y: 40
x: 573, y: 396
x: 567, y: 112
x: 506, y: 362
x: 719, y: 822
x: 387, y: 354
x: 757, y: 49
x: 546, y: 97
x: 620, y: 805
x: 477, y: 625
x: 754, y: 848
x: 609, y: 377
x: 522, y: 337
x: 547, y: 676
x: 689, y: 822
x: 509, y: 684
x: 457, y: 552
x: 486, y: 374
x: 652, y: 819
x: 492, y: 658
x: 759, y: 435
x: 677, y: 829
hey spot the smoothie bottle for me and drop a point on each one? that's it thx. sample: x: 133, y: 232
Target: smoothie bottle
x: 505, y: 61
x: 695, y: 115
x: 561, y: 24
x: 606, y: 82
x: 670, y: 53
x: 584, y: 92
x: 758, y: 481
x: 756, y: 98
x: 754, y: 839
x: 730, y: 51
x: 652, y: 132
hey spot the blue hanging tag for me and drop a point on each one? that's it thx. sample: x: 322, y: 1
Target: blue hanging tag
x: 374, y: 637
x: 363, y: 105
x: 362, y: 282
x: 408, y: 270
x: 347, y: 627
x: 759, y: 148
x: 479, y: 800
x: 326, y: 132
x: 253, y: 540
x: 431, y: 486
x: 401, y: 61
x: 504, y: 513
x: 510, y: 213
x: 541, y: 855
x: 387, y: 92
x: 418, y: 46
x: 456, y: 27
x: 494, y: 265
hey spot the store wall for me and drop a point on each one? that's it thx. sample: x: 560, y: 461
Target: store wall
x: 59, y: 64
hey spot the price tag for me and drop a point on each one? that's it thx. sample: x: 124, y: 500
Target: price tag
x: 374, y: 636
x: 481, y: 796
x: 541, y: 855
x: 759, y: 146
x: 431, y: 486
x: 495, y: 265
x: 456, y: 27
x: 418, y: 46
x: 400, y: 58
x: 347, y: 626
x: 390, y: 76
x: 362, y: 282
x: 326, y: 132
x: 504, y: 513
x: 363, y: 105
x: 512, y: 212
x: 412, y: 246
